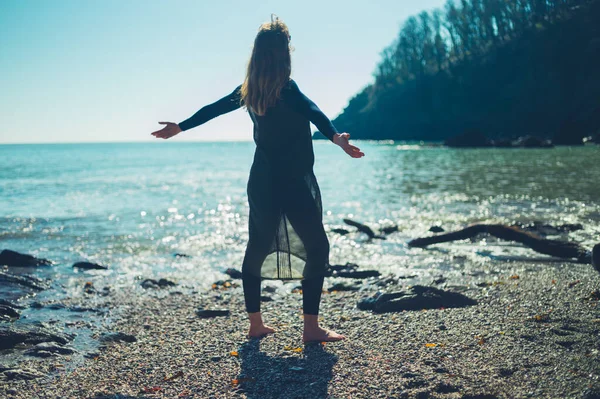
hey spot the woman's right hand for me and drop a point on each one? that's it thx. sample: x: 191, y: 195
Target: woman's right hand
x: 341, y: 139
x: 170, y: 130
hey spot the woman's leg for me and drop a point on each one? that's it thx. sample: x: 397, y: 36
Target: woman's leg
x: 303, y: 214
x: 263, y: 219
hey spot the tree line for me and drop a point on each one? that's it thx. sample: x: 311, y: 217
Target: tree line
x: 500, y: 66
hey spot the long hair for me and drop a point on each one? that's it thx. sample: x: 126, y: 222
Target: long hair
x: 269, y: 67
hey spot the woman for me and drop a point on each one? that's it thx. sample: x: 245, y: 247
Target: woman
x: 286, y: 235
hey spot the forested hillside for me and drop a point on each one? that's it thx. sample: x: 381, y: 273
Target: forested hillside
x: 505, y: 68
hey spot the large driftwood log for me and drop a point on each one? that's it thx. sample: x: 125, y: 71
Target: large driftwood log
x: 559, y: 249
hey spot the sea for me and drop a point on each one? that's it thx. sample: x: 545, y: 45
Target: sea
x: 134, y: 206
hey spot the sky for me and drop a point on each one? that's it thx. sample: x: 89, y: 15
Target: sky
x: 108, y: 71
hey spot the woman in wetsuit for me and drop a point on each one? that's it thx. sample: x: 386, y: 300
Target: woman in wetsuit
x: 286, y: 235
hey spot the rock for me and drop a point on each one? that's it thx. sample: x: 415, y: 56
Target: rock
x: 233, y: 273
x: 161, y: 283
x: 89, y: 266
x: 470, y: 138
x: 22, y: 374
x: 8, y: 311
x: 265, y: 298
x: 11, y: 304
x: 47, y: 349
x: 16, y: 259
x: 389, y: 229
x: 117, y: 337
x: 224, y: 285
x: 89, y: 288
x: 436, y: 229
x: 177, y: 255
x: 23, y: 280
x: 347, y: 267
x: 344, y: 287
x: 440, y: 280
x: 340, y: 231
x: 417, y: 297
x: 207, y: 313
x: 533, y: 142
x: 56, y: 306
x: 11, y: 336
x: 596, y: 257
x: 356, y: 274
x: 444, y: 387
x: 270, y: 289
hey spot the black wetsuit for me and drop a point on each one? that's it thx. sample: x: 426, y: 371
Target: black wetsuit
x: 286, y: 235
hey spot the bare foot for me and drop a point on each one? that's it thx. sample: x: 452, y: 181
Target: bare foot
x: 321, y: 335
x: 260, y: 331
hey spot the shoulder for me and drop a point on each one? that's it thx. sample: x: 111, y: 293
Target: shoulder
x: 292, y: 85
x: 291, y: 90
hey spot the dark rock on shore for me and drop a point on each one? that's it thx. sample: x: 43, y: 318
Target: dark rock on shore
x: 340, y: 231
x: 350, y: 270
x: 48, y: 349
x: 89, y: 266
x: 16, y: 259
x: 8, y: 312
x: 22, y: 374
x: 11, y: 304
x: 117, y: 337
x: 265, y: 298
x: 344, y: 287
x: 89, y: 288
x: 178, y: 255
x: 436, y: 229
x: 207, y: 313
x: 233, y: 273
x: 417, y: 297
x: 23, y: 280
x: 161, y: 283
x: 11, y: 336
x: 347, y: 267
x: 470, y: 138
x: 356, y: 274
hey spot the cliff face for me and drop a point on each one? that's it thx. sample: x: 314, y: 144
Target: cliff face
x: 544, y: 81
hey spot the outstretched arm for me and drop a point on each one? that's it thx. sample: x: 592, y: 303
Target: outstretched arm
x: 311, y: 111
x: 226, y: 104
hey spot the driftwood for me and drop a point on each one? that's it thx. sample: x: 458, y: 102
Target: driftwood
x: 557, y: 248
x: 367, y: 230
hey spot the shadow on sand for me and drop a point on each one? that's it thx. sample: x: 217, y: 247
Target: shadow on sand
x: 288, y: 376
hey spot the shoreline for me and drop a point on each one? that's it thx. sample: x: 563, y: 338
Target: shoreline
x: 533, y: 333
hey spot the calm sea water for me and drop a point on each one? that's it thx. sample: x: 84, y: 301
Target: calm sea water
x: 132, y: 206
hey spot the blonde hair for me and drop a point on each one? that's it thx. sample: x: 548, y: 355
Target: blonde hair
x: 269, y: 67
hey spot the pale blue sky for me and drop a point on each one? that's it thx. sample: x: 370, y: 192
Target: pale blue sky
x: 91, y: 70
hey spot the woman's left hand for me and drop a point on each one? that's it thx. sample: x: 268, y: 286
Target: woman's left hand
x: 170, y: 130
x: 341, y: 139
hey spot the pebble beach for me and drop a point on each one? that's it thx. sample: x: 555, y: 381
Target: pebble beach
x: 531, y: 334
